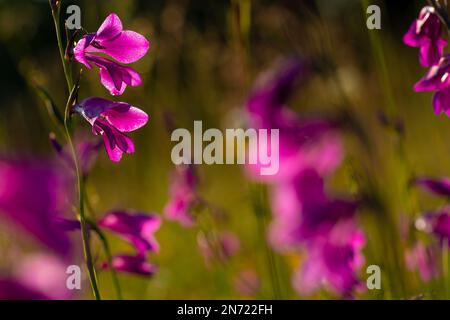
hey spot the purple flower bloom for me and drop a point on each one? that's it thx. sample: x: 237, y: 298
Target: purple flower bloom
x: 425, y: 33
x: 439, y: 186
x: 303, y: 211
x: 112, y: 120
x: 183, y: 196
x: 332, y: 262
x: 138, y: 228
x: 33, y: 195
x: 122, y: 45
x: 302, y: 143
x: 132, y: 264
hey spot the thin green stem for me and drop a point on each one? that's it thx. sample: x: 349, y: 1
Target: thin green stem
x: 80, y: 181
x: 82, y: 216
x: 107, y: 250
x: 56, y: 14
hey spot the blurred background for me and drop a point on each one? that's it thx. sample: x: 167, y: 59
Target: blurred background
x: 203, y: 60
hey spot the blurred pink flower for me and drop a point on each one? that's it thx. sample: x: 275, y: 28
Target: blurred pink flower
x: 137, y: 228
x: 33, y: 195
x: 122, y: 45
x: 302, y: 143
x: 112, y: 120
x: 44, y: 273
x: 426, y: 33
x: 333, y: 262
x: 424, y: 259
x: 303, y: 211
x: 183, y: 195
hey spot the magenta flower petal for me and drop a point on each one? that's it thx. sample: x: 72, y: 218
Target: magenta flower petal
x: 437, y: 77
x: 126, y: 118
x: 110, y: 28
x: 425, y: 33
x: 111, y: 120
x: 116, y: 143
x: 133, y: 264
x: 138, y: 229
x: 116, y: 77
x: 183, y: 196
x: 439, y: 186
x: 128, y: 47
x: 79, y: 51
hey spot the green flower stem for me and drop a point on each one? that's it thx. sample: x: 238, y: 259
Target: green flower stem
x: 82, y: 216
x: 56, y: 14
x: 80, y: 181
x: 107, y: 250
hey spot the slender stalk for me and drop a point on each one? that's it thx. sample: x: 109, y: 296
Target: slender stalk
x: 82, y: 216
x: 56, y: 14
x: 105, y: 245
x: 80, y: 181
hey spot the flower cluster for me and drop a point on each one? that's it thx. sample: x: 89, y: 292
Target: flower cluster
x: 426, y: 34
x: 112, y: 120
x: 305, y: 216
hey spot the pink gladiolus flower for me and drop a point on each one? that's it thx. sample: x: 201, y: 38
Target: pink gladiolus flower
x: 112, y: 120
x: 183, y: 196
x: 138, y: 228
x: 122, y: 45
x: 426, y: 33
